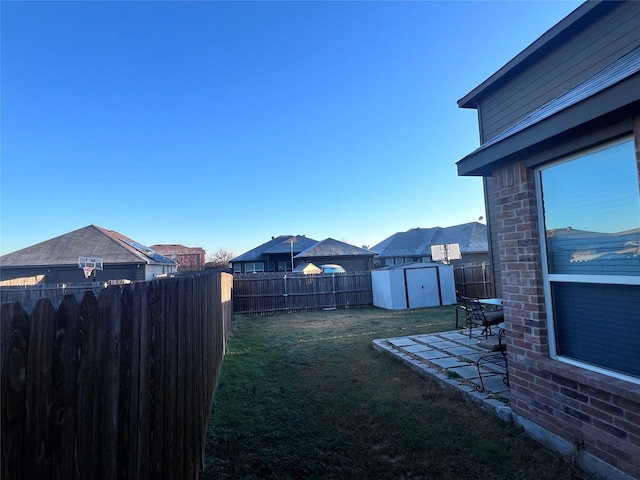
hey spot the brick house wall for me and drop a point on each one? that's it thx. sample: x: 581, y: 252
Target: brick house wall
x: 595, y: 413
x: 189, y: 259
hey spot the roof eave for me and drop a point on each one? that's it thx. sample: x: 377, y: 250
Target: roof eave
x: 540, y: 47
x: 552, y: 131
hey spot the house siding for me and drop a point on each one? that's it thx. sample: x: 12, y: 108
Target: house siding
x: 574, y: 61
x: 73, y: 274
x: 494, y: 253
x: 597, y: 414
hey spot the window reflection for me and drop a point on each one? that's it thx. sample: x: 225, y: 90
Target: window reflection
x: 592, y: 213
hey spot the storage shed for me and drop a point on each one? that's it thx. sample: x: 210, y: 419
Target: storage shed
x: 307, y: 269
x: 413, y: 285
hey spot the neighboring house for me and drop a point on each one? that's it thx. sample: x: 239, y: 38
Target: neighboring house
x: 189, y: 259
x: 57, y: 259
x: 559, y: 157
x: 415, y: 245
x: 276, y: 255
x: 330, y: 251
x: 286, y: 252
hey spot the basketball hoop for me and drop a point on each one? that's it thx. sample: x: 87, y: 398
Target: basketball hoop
x: 90, y: 265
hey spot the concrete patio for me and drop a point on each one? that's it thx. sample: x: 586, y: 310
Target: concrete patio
x: 450, y: 358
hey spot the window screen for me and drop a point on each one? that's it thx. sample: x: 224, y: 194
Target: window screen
x: 598, y: 324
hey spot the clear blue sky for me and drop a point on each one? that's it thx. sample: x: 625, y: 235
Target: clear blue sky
x: 222, y: 124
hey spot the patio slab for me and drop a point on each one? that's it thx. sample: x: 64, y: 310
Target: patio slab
x: 401, y: 342
x: 418, y: 347
x: 449, y: 357
x: 449, y: 362
x: 431, y: 354
x: 462, y: 351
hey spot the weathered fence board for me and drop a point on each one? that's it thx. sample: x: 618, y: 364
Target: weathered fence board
x: 266, y: 293
x: 64, y: 381
x: 272, y: 293
x: 474, y: 280
x: 14, y: 343
x: 115, y: 386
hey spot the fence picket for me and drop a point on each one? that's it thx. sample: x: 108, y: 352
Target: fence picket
x: 39, y: 441
x: 474, y: 280
x: 273, y: 293
x: 115, y: 386
x: 14, y: 341
x: 64, y: 379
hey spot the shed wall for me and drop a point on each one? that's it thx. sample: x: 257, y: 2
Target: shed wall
x: 402, y: 287
x: 388, y: 289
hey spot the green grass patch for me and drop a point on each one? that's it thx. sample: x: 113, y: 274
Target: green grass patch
x: 306, y: 396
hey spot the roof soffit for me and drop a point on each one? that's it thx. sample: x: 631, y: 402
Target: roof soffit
x: 547, y: 42
x: 613, y: 104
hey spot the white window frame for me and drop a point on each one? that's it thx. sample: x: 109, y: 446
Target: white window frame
x: 254, y: 269
x: 549, y: 278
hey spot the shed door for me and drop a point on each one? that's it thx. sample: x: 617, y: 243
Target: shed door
x: 422, y: 287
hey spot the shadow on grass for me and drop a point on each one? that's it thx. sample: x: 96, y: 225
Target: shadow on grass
x: 305, y: 396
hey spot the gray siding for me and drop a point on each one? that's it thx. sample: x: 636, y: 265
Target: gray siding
x: 491, y: 207
x: 562, y: 69
x: 73, y: 274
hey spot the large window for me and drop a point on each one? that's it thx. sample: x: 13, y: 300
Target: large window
x: 254, y: 267
x: 591, y: 212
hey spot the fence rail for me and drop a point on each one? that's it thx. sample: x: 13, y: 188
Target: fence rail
x: 273, y: 293
x: 28, y: 295
x: 118, y: 385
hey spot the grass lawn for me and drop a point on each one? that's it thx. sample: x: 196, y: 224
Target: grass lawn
x: 305, y: 396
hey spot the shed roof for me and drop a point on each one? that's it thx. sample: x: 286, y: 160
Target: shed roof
x: 417, y: 242
x: 409, y: 266
x: 307, y: 268
x: 90, y: 241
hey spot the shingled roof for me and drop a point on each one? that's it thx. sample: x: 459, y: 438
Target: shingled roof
x: 90, y: 241
x: 417, y: 242
x: 333, y: 248
x: 280, y: 244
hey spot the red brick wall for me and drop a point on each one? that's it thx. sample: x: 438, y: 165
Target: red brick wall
x: 596, y: 413
x: 189, y: 259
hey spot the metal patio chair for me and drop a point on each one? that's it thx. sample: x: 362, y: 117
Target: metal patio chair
x: 461, y: 309
x: 478, y: 316
x: 495, y: 362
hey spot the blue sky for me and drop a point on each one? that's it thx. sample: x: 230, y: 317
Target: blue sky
x: 222, y: 124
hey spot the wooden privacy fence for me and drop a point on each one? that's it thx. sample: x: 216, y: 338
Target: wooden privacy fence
x: 115, y: 386
x: 273, y: 293
x: 474, y: 280
x: 28, y: 295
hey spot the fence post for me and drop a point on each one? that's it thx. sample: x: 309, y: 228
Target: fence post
x: 286, y: 295
x: 333, y: 293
